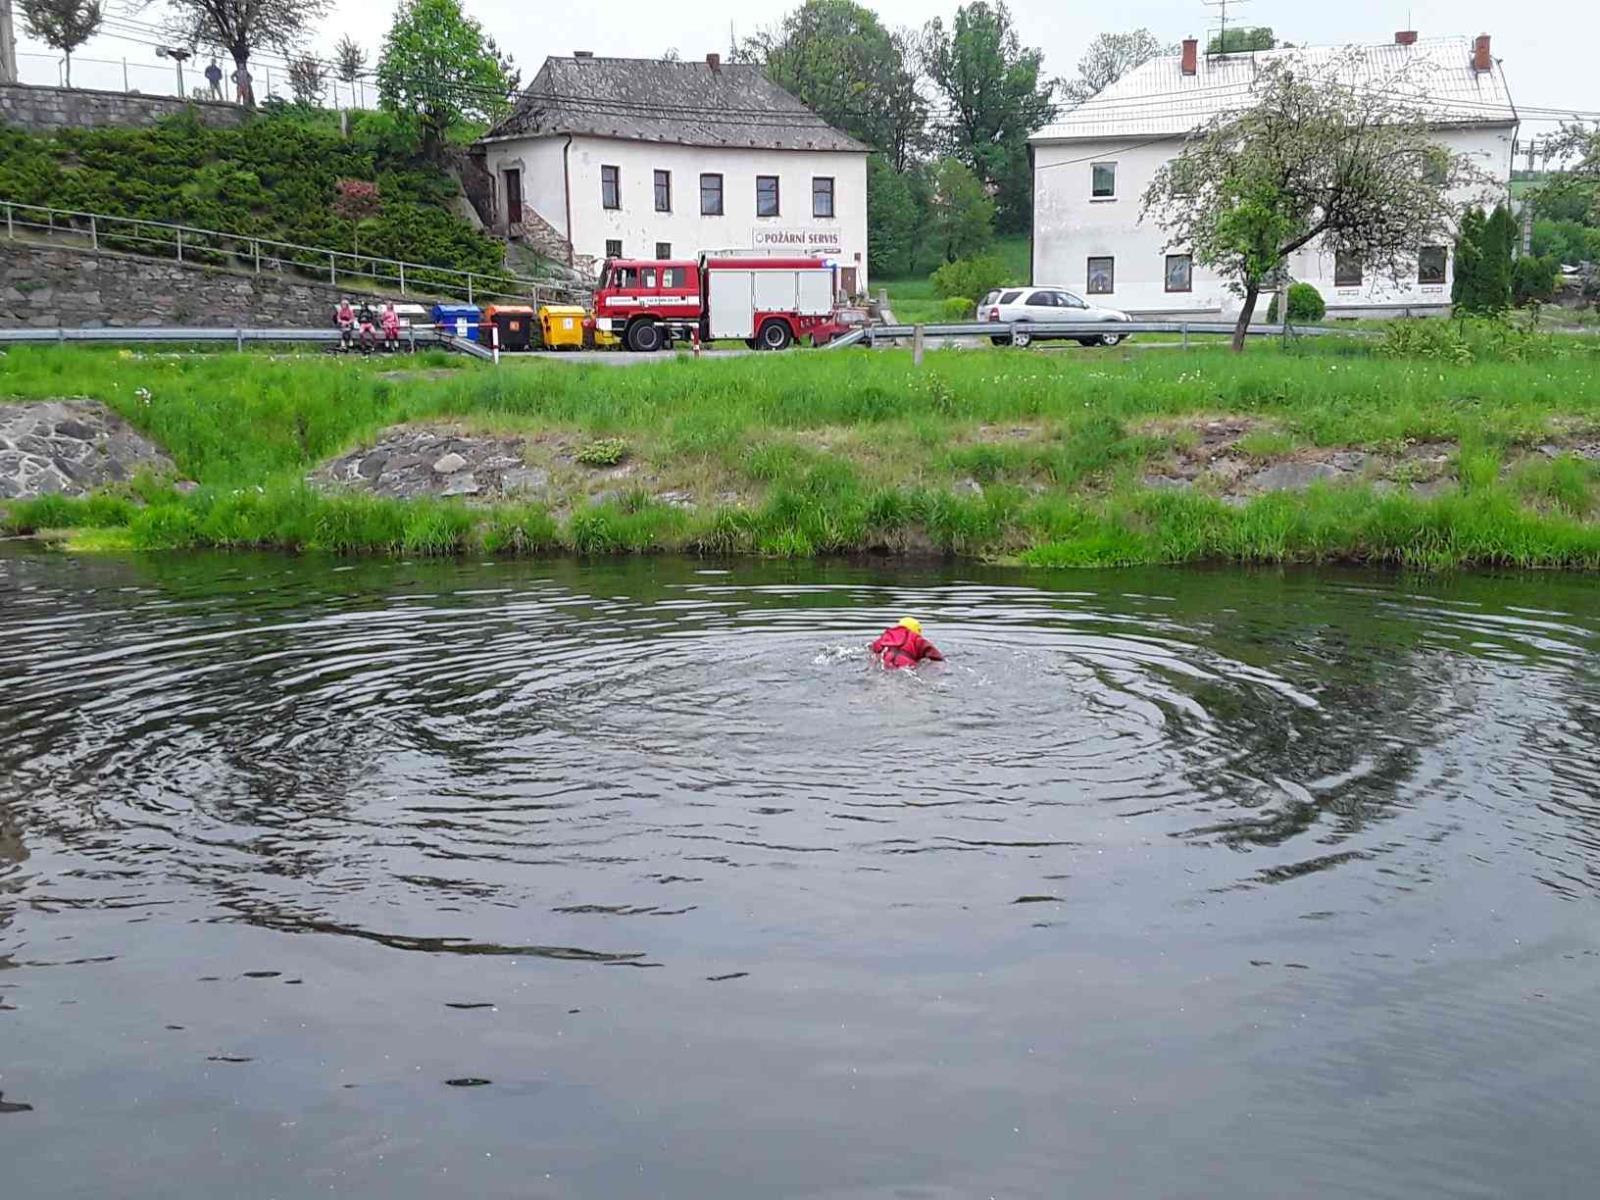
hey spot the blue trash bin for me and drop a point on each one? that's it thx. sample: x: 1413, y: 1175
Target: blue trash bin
x: 458, y: 320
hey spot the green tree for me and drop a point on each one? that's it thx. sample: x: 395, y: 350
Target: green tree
x: 1356, y: 170
x: 1499, y: 249
x: 63, y: 25
x: 839, y: 59
x: 241, y: 27
x: 1242, y: 40
x: 438, y: 68
x: 1468, y: 286
x: 894, y: 218
x: 1109, y: 57
x: 960, y: 212
x: 308, y: 80
x: 350, y: 60
x: 993, y: 87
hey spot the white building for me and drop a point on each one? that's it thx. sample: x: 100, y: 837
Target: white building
x: 613, y: 157
x: 1090, y: 171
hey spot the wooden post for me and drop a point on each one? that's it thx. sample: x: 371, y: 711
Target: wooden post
x: 180, y: 243
x: 333, y: 270
x: 402, y: 279
x: 257, y: 247
x: 94, y: 234
x: 916, y: 345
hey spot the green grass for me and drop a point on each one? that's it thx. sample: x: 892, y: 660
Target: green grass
x: 1002, y: 454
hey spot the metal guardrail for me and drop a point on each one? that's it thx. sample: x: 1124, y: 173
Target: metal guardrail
x: 1089, y: 329
x: 69, y: 228
x: 239, y: 335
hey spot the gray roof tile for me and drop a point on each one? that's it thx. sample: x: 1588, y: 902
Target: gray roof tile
x: 686, y: 103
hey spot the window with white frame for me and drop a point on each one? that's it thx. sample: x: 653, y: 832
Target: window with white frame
x: 1103, y: 181
x: 1180, y: 273
x: 822, y: 196
x: 1102, y: 276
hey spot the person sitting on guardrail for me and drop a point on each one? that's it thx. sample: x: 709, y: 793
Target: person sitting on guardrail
x: 369, y: 328
x: 391, y: 326
x: 345, y: 318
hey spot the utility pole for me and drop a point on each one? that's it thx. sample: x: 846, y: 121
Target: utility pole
x: 8, y: 45
x: 1222, y: 23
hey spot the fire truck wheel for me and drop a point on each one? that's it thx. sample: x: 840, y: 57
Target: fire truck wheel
x: 644, y: 337
x: 775, y: 335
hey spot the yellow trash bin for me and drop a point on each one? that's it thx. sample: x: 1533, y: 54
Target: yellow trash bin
x: 562, y: 326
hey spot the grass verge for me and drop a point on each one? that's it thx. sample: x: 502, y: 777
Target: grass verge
x: 1008, y: 455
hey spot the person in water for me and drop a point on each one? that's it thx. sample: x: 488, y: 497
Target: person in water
x: 903, y: 645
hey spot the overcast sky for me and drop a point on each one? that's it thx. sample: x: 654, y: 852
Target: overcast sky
x: 1547, y: 46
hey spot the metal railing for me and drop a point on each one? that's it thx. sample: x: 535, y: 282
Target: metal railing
x: 93, y: 232
x: 1024, y: 332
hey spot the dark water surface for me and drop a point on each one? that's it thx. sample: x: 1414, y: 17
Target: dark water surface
x: 520, y: 880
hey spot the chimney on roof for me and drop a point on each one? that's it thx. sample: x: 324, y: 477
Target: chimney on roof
x: 1406, y: 37
x: 714, y: 61
x: 583, y: 54
x: 1191, y: 55
x: 1481, y: 60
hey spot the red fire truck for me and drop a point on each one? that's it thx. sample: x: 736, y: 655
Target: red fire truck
x: 766, y: 303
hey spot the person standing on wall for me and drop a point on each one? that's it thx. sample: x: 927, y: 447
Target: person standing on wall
x: 214, y: 80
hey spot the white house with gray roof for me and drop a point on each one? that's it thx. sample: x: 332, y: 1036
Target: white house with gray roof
x: 637, y: 158
x: 1091, y: 168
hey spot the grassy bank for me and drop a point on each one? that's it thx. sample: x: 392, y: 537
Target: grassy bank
x: 1056, y: 459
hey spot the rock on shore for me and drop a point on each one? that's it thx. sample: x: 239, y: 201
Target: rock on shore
x: 410, y: 462
x: 69, y: 448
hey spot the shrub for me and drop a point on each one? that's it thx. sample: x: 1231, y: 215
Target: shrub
x: 1422, y: 338
x: 1534, y: 280
x: 969, y: 277
x: 956, y: 308
x: 606, y: 452
x: 1306, y: 305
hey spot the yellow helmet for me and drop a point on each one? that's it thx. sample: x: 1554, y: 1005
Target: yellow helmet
x: 911, y: 623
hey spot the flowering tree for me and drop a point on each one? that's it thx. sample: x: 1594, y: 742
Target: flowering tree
x: 1355, y: 168
x: 356, y: 200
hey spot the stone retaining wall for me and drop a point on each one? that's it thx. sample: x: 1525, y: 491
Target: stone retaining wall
x: 41, y: 286
x: 43, y: 109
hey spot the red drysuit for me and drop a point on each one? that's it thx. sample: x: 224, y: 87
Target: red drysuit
x: 899, y: 647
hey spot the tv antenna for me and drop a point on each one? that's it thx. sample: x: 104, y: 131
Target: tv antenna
x: 1222, y: 7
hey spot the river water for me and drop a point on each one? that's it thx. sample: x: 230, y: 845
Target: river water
x: 637, y: 880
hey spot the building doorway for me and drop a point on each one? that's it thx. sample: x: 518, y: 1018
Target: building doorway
x: 513, y: 196
x: 847, y: 280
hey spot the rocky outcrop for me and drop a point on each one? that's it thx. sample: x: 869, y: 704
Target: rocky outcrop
x: 406, y: 463
x: 69, y: 448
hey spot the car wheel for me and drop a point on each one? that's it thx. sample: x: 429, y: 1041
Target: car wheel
x: 997, y: 340
x: 775, y: 335
x: 1088, y: 341
x: 644, y: 337
x: 1110, y: 339
x: 1021, y: 338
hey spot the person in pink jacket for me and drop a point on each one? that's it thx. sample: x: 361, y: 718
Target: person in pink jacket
x: 391, y: 326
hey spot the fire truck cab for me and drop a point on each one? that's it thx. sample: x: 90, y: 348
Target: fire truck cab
x: 767, y: 303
